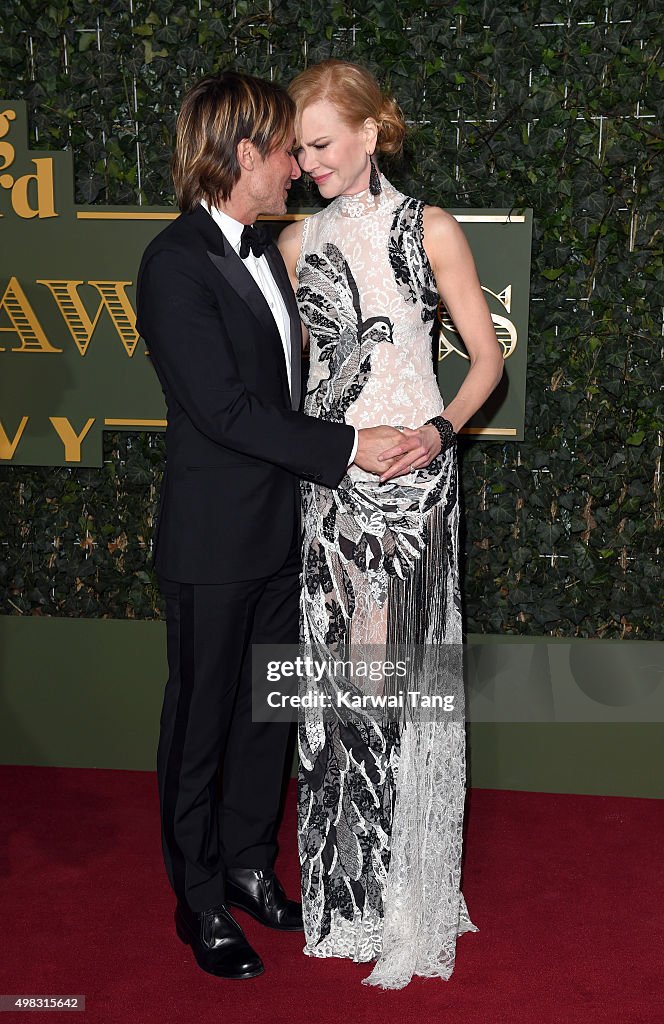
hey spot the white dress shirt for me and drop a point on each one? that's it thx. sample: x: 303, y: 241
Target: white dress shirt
x: 259, y: 269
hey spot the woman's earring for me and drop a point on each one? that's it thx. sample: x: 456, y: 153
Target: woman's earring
x: 375, y: 186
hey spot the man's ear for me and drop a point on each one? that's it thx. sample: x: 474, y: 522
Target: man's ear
x: 246, y: 154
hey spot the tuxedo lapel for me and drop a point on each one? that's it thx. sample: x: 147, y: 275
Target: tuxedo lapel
x: 280, y: 274
x: 233, y: 269
x: 224, y: 258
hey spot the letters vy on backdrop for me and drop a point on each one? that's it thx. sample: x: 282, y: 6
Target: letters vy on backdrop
x: 72, y: 364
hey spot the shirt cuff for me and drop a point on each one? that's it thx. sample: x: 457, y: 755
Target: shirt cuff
x: 353, y: 451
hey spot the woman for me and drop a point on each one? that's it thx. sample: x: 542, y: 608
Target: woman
x: 380, y: 802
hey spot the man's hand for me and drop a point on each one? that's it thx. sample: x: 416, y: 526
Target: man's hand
x: 379, y: 448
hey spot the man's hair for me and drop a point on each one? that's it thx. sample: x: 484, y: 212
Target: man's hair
x: 216, y: 114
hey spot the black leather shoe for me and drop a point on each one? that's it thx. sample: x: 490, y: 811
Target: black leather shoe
x: 218, y: 942
x: 261, y: 895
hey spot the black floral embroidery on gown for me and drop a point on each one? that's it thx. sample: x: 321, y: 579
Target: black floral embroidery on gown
x: 345, y: 845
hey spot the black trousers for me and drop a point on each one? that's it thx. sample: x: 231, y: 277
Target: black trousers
x: 221, y: 774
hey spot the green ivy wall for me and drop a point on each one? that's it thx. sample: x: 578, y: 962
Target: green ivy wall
x: 557, y: 106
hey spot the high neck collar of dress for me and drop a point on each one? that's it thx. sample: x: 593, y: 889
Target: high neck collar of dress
x: 362, y: 203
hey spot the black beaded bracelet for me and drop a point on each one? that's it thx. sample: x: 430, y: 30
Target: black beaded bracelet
x: 445, y: 430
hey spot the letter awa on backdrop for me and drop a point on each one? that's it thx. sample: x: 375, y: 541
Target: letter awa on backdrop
x: 72, y: 364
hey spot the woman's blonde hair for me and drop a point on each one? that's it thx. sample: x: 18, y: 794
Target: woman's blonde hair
x: 356, y: 95
x: 217, y: 113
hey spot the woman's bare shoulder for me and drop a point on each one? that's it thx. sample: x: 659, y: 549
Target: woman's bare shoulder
x: 443, y: 238
x: 440, y: 224
x: 291, y: 235
x: 290, y: 247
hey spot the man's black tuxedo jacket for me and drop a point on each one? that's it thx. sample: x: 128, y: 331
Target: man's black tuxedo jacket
x: 235, y: 444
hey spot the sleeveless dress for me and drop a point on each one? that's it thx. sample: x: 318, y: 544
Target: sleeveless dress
x: 380, y: 804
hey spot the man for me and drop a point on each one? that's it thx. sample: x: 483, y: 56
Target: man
x: 219, y: 317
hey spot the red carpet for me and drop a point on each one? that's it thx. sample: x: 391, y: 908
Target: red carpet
x: 568, y: 893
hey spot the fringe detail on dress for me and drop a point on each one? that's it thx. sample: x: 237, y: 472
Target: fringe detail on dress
x: 424, y: 908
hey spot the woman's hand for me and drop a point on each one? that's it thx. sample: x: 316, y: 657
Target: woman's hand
x: 430, y: 439
x: 418, y: 448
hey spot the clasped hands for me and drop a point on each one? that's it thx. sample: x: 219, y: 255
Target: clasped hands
x: 388, y: 453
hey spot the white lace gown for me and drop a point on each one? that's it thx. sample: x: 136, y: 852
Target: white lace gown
x: 380, y: 803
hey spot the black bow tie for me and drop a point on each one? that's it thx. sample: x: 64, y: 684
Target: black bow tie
x: 255, y: 238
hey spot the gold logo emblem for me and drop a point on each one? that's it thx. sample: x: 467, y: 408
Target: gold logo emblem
x: 32, y: 195
x: 449, y: 340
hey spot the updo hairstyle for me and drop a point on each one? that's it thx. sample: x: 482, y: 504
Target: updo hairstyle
x: 356, y: 95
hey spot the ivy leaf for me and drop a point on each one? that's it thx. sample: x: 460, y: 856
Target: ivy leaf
x: 85, y: 41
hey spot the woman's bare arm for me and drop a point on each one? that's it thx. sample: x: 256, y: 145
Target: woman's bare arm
x: 459, y: 287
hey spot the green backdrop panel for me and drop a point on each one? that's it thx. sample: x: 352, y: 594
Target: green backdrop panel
x: 72, y: 364
x: 87, y: 693
x: 80, y: 692
x: 608, y: 759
